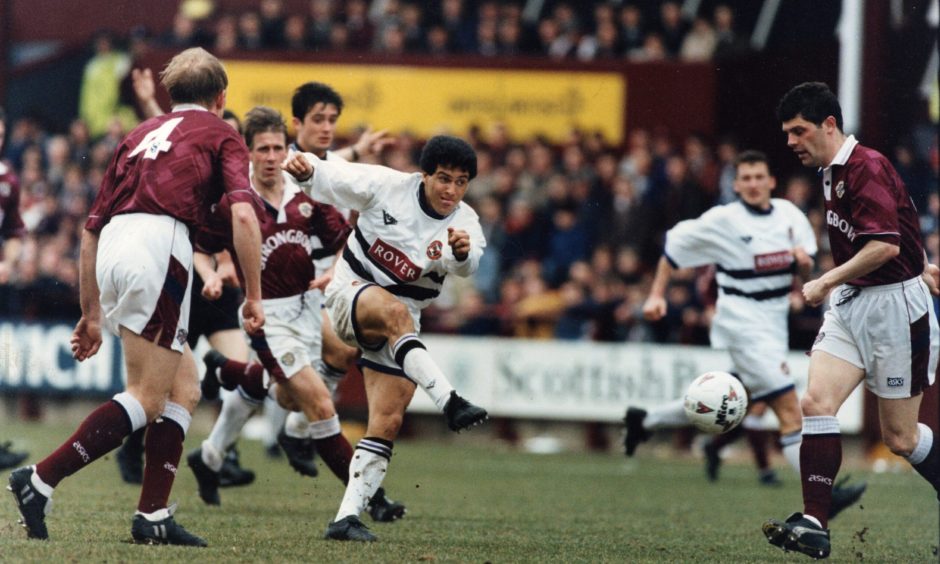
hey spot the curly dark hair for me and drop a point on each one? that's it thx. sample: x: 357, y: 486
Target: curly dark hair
x: 811, y: 100
x: 451, y: 152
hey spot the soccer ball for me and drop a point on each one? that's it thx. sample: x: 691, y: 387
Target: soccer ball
x: 715, y: 402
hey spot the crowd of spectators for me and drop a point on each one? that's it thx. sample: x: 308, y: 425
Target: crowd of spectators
x: 639, y: 31
x: 573, y: 229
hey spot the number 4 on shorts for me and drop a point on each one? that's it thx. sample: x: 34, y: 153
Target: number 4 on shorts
x: 156, y: 141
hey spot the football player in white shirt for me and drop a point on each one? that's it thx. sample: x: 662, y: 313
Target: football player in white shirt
x: 757, y: 244
x: 413, y: 230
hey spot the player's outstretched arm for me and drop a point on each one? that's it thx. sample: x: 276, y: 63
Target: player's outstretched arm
x: 86, y: 338
x: 654, y: 308
x: 145, y: 90
x: 804, y: 262
x: 369, y: 143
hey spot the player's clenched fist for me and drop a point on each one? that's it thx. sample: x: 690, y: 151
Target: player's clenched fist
x: 459, y: 241
x: 298, y: 166
x: 252, y: 316
x: 654, y: 309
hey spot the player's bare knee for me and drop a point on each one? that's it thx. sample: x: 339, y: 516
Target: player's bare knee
x: 812, y: 406
x: 340, y: 356
x: 398, y: 318
x: 901, y: 444
x: 386, y: 426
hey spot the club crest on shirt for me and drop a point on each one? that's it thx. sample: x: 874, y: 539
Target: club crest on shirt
x: 305, y: 209
x: 181, y: 336
x: 434, y: 250
x: 287, y: 359
x: 819, y: 337
x: 5, y: 189
x: 840, y: 189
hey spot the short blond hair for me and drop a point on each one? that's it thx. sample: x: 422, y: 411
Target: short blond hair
x: 194, y: 76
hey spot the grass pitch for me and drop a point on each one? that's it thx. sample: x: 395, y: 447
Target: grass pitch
x: 470, y: 501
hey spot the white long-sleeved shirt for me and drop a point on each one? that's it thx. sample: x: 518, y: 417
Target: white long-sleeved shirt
x: 400, y: 242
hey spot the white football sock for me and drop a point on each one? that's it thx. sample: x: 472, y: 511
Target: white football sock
x: 411, y: 354
x: 297, y: 425
x: 666, y: 416
x: 366, y: 472
x: 790, y: 445
x: 235, y: 413
x: 275, y: 415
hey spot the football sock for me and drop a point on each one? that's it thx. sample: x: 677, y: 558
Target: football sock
x: 252, y: 382
x: 164, y: 447
x: 333, y: 447
x: 230, y: 373
x: 926, y: 456
x: 275, y: 415
x: 236, y: 410
x: 668, y: 415
x: 413, y: 357
x: 790, y: 446
x: 366, y: 472
x: 100, y: 433
x: 297, y: 425
x: 757, y: 440
x: 719, y: 442
x: 135, y: 441
x: 820, y: 458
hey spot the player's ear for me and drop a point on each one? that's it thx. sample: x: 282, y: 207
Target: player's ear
x: 219, y: 103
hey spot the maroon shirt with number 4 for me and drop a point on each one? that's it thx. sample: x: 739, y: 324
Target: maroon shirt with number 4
x: 11, y: 222
x: 866, y: 199
x: 291, y: 239
x: 177, y: 164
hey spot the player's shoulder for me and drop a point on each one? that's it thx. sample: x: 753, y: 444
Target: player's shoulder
x: 785, y: 206
x: 867, y: 160
x: 466, y: 213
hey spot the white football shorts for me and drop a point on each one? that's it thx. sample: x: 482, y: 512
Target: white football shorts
x: 144, y: 270
x: 291, y: 337
x: 889, y: 331
x: 762, y: 370
x: 341, y: 297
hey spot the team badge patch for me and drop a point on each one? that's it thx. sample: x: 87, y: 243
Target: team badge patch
x: 840, y: 189
x: 5, y: 189
x: 288, y: 359
x: 434, y: 250
x: 819, y: 337
x: 305, y: 209
x: 181, y: 335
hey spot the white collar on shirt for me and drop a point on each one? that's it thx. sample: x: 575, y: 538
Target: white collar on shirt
x: 845, y: 151
x: 185, y: 107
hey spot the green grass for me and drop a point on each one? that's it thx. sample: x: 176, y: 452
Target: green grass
x: 473, y: 502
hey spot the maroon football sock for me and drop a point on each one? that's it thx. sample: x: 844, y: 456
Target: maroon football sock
x: 252, y: 382
x: 231, y: 373
x: 721, y: 441
x: 163, y: 447
x: 100, y: 433
x: 820, y: 459
x: 336, y: 452
x: 758, y: 439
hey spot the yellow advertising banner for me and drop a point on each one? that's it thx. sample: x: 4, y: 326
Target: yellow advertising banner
x: 428, y: 101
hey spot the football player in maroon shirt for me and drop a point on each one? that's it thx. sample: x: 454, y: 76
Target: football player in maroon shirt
x: 135, y: 279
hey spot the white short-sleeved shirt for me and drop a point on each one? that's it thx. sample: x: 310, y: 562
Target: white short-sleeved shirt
x: 752, y: 251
